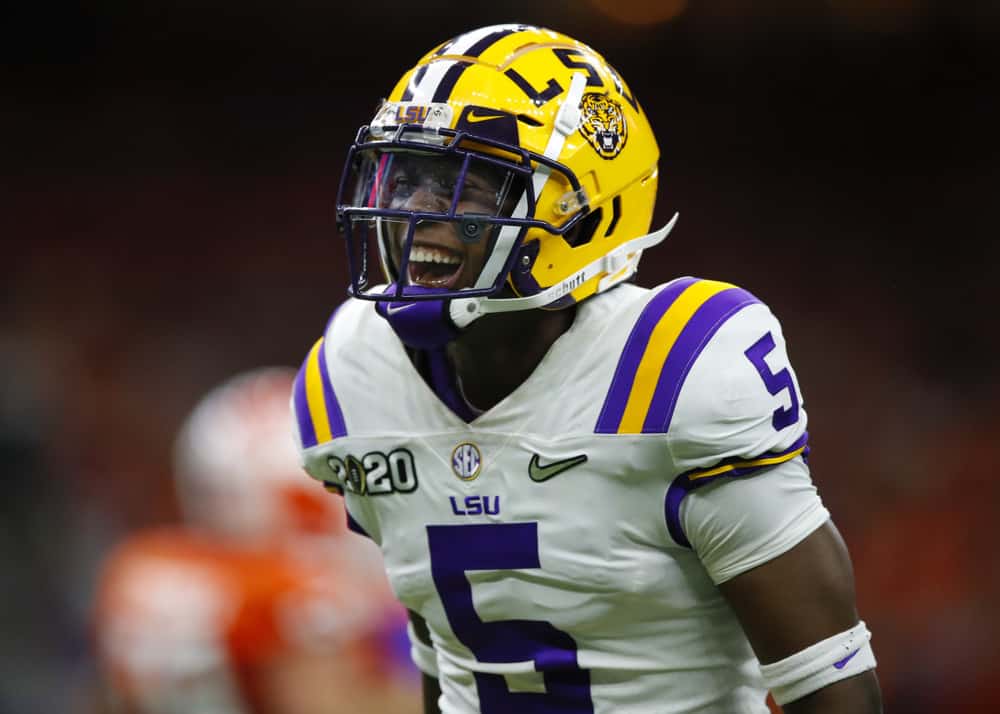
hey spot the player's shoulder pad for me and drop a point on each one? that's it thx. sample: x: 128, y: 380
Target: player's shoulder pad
x: 317, y: 413
x: 737, y: 407
x: 669, y: 336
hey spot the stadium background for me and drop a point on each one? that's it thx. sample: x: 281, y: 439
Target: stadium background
x: 168, y: 171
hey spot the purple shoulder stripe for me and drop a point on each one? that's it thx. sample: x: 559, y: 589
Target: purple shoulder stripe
x: 621, y: 384
x: 307, y: 433
x: 705, y: 322
x: 333, y: 412
x: 688, y: 481
x: 314, y: 418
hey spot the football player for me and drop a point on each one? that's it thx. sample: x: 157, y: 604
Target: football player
x: 261, y: 602
x: 592, y: 497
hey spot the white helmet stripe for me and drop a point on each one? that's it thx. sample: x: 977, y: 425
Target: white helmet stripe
x: 566, y: 123
x: 423, y: 91
x: 423, y: 87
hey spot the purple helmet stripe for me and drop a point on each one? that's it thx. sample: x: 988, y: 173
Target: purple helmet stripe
x: 737, y: 467
x: 691, y: 341
x: 485, y: 43
x: 621, y: 384
x: 455, y: 45
x: 449, y: 80
x: 417, y: 79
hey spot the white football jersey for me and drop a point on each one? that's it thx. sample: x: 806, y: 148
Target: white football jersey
x: 547, y: 542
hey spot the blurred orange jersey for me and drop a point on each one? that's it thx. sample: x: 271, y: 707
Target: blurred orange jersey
x: 188, y: 623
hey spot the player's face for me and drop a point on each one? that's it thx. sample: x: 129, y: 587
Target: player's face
x: 448, y: 255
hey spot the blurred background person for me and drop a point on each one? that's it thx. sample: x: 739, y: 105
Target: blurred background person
x: 261, y: 601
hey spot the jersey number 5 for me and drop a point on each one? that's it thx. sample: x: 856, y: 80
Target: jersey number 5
x: 505, y: 546
x: 775, y: 381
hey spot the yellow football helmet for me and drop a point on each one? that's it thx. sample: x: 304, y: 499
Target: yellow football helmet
x: 531, y: 147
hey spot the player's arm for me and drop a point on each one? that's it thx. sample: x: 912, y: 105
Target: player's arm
x: 800, y: 598
x: 423, y: 654
x: 745, y: 502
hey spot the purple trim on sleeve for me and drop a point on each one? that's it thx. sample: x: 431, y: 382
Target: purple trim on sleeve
x: 333, y: 412
x: 705, y: 322
x: 802, y: 441
x: 679, y: 488
x: 355, y: 526
x: 306, y: 432
x: 687, y: 482
x: 621, y: 384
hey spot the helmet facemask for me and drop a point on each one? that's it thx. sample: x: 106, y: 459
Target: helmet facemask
x: 446, y: 219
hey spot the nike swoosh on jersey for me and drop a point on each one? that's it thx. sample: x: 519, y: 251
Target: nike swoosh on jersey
x: 843, y: 663
x: 541, y: 473
x: 392, y: 309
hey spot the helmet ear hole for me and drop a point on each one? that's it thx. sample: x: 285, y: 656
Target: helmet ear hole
x: 583, y: 232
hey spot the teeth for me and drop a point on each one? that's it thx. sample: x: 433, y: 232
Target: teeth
x: 419, y: 254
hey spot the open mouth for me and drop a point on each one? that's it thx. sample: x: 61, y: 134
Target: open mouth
x: 434, y: 266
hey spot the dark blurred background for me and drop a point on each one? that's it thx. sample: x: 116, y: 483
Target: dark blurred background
x: 168, y: 172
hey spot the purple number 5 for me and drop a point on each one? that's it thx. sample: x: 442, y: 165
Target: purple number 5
x: 505, y: 546
x: 775, y: 382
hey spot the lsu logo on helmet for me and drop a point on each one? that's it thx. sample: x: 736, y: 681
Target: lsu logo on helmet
x: 603, y: 124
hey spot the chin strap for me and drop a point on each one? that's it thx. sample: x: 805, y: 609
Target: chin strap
x: 431, y: 324
x: 424, y: 324
x: 618, y: 265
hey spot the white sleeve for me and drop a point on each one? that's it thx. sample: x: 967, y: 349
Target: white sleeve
x: 736, y: 524
x: 741, y: 401
x: 739, y: 417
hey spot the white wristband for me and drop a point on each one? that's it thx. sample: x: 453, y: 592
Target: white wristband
x: 839, y: 657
